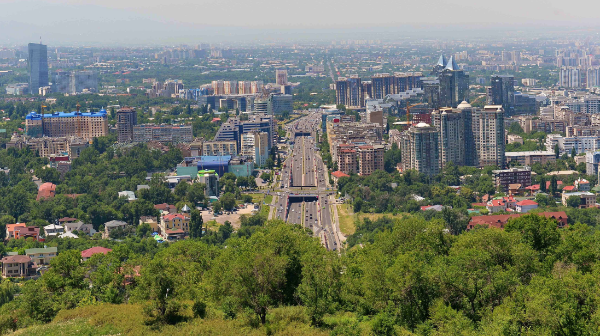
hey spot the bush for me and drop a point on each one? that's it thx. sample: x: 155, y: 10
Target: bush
x: 7, y: 324
x: 199, y: 309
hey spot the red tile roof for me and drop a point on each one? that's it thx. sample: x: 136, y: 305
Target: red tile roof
x: 173, y: 216
x: 174, y: 231
x: 533, y: 187
x: 569, y: 188
x: 16, y: 259
x: 498, y: 221
x: 47, y: 190
x: 339, y: 174
x: 163, y: 206
x: 94, y: 250
x: 527, y: 202
x: 67, y: 219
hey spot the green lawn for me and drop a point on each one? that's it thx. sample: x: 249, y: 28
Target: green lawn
x: 268, y: 199
x: 256, y: 198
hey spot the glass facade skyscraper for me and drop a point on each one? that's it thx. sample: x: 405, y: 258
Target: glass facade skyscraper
x: 37, y: 66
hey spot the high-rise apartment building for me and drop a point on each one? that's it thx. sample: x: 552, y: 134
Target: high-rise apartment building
x: 86, y: 125
x: 382, y: 85
x: 370, y: 159
x: 502, y: 92
x: 592, y: 77
x: 281, y: 77
x: 454, y: 85
x: 488, y: 130
x: 218, y: 87
x: 451, y: 127
x: 75, y: 82
x: 256, y: 145
x: 470, y: 156
x: 126, y: 119
x: 244, y: 87
x: 347, y: 160
x: 162, y: 133
x: 230, y: 87
x: 569, y: 77
x: 37, y: 64
x: 420, y: 149
x: 219, y: 148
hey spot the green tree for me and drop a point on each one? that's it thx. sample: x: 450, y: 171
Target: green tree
x: 228, y: 201
x: 196, y: 224
x: 539, y: 232
x: 574, y: 201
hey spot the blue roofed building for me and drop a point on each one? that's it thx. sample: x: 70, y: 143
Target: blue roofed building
x: 87, y: 125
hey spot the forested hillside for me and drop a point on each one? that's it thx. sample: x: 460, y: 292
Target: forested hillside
x: 416, y: 278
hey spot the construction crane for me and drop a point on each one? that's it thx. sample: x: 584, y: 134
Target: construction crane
x: 408, y: 113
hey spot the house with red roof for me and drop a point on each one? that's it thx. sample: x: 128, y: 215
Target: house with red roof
x: 87, y: 254
x: 499, y: 221
x: 164, y: 207
x: 496, y: 205
x: 526, y: 205
x: 10, y: 229
x: 582, y: 184
x: 532, y: 189
x: 46, y: 191
x: 336, y: 175
x: 14, y: 266
x: 569, y: 189
x: 510, y: 201
x: 27, y: 232
x: 172, y: 222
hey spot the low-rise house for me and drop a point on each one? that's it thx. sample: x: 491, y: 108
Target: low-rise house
x: 175, y: 222
x: 112, y: 225
x: 150, y: 220
x: 526, y: 205
x: 586, y: 198
x: 87, y: 254
x: 10, y: 229
x: 434, y: 207
x: 164, y: 207
x: 514, y: 189
x: 533, y: 189
x: 68, y: 235
x: 14, y: 266
x: 27, y: 232
x: 174, y: 234
x: 46, y: 191
x: 53, y: 230
x: 88, y: 229
x: 499, y: 221
x: 583, y: 184
x: 129, y: 195
x: 42, y: 256
x: 510, y: 202
x: 569, y: 189
x: 336, y: 175
x: 495, y: 205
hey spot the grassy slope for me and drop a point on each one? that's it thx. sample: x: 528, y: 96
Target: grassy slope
x: 127, y: 319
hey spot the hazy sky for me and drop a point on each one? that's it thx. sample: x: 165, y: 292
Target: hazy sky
x: 195, y: 21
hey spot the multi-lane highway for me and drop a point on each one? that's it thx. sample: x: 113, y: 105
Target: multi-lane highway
x: 304, y: 196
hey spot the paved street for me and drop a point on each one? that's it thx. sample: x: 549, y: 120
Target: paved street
x: 304, y: 198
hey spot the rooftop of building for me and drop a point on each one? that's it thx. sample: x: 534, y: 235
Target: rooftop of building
x: 94, y: 250
x: 528, y: 153
x: 39, y: 116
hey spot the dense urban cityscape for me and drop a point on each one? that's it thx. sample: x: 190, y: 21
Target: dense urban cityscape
x: 381, y: 186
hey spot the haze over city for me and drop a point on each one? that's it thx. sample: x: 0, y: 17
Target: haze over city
x: 157, y: 22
